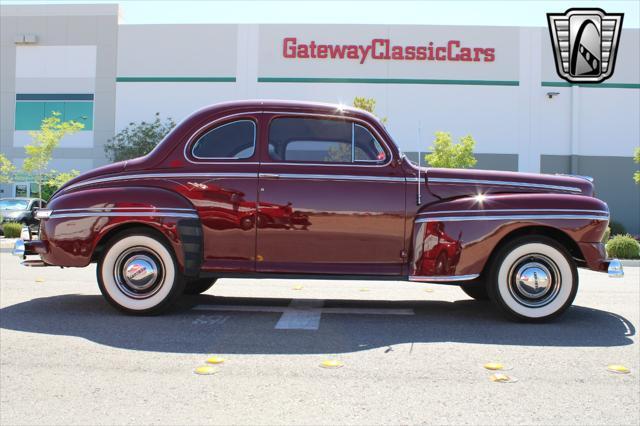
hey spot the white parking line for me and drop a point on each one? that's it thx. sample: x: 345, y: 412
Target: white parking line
x: 303, y: 314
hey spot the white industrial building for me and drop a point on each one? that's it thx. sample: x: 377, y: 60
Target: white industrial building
x: 498, y: 84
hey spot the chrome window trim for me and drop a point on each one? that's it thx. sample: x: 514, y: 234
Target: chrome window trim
x: 255, y: 133
x: 511, y: 217
x: 124, y: 214
x: 504, y: 183
x: 375, y: 133
x: 213, y: 123
x: 604, y: 212
x: 443, y: 278
x: 164, y: 176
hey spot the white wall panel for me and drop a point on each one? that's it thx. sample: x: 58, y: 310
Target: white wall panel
x: 83, y: 139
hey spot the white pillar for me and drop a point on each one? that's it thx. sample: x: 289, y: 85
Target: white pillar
x: 528, y: 100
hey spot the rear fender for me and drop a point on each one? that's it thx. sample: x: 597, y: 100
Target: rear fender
x: 457, y: 237
x: 83, y: 221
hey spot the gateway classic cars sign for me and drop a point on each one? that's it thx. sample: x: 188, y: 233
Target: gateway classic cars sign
x: 361, y: 53
x: 384, y: 49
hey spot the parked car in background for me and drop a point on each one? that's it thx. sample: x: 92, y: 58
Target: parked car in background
x: 22, y: 210
x: 283, y: 189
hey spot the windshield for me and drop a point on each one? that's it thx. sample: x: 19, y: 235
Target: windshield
x: 12, y: 204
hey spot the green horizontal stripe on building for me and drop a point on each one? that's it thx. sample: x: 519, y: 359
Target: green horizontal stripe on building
x: 387, y: 81
x: 54, y: 96
x: 592, y: 86
x: 175, y: 79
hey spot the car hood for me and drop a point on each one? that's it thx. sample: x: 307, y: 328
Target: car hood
x: 450, y: 183
x: 12, y: 214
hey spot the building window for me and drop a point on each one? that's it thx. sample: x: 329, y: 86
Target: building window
x: 31, y: 109
x: 235, y: 140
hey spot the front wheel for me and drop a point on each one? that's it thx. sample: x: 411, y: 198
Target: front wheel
x: 138, y: 273
x: 532, y: 278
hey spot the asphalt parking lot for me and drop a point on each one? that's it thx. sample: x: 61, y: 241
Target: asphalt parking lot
x: 412, y: 354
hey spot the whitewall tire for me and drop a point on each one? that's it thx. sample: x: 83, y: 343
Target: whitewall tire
x: 138, y: 273
x: 532, y: 278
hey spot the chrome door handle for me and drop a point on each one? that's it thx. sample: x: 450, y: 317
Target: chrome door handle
x: 269, y: 175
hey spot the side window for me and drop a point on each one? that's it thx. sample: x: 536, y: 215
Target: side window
x: 367, y: 147
x: 322, y: 141
x: 235, y: 140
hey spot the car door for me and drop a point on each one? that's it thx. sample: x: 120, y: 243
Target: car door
x: 331, y: 198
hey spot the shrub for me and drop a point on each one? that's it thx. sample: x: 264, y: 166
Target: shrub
x: 606, y: 235
x: 12, y: 229
x: 617, y: 228
x: 623, y: 247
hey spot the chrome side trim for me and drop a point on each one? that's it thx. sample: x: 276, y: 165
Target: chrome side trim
x: 163, y: 176
x: 505, y: 183
x: 443, y: 278
x: 158, y: 209
x: 514, y: 210
x: 124, y: 214
x: 340, y: 177
x: 513, y: 217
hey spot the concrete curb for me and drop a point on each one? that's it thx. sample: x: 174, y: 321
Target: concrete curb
x: 630, y: 262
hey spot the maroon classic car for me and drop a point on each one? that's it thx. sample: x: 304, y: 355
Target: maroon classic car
x: 283, y: 189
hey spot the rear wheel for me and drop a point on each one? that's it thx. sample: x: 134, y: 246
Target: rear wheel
x: 532, y: 278
x: 476, y: 289
x: 199, y: 286
x: 138, y: 273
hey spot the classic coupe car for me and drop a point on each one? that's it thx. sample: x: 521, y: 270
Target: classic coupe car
x: 288, y: 189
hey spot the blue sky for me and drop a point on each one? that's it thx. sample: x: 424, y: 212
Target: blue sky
x: 504, y: 13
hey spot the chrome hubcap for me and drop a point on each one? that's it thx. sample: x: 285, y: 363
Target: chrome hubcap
x: 139, y: 272
x: 534, y: 280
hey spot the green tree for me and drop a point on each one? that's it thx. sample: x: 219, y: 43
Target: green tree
x: 6, y: 169
x: 53, y: 180
x: 45, y: 140
x: 445, y: 153
x: 367, y: 104
x: 636, y: 158
x: 138, y: 139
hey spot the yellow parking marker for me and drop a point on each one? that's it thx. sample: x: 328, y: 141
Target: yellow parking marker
x: 495, y: 366
x: 617, y: 368
x: 39, y: 280
x: 205, y: 370
x: 331, y: 363
x: 215, y: 360
x: 297, y: 287
x: 502, y: 378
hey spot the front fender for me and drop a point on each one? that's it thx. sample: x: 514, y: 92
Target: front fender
x: 81, y: 220
x: 456, y: 237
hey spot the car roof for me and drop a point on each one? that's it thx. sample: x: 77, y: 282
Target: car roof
x: 287, y: 105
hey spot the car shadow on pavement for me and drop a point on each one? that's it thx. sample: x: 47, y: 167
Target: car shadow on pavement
x: 188, y: 330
